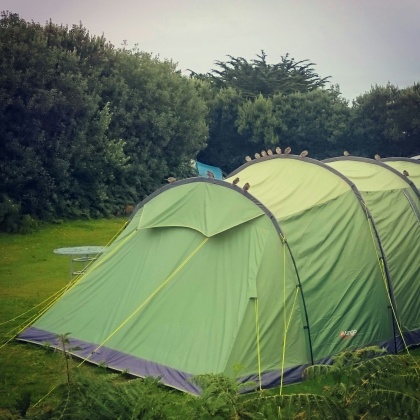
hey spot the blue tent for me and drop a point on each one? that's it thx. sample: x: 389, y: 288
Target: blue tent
x: 208, y: 171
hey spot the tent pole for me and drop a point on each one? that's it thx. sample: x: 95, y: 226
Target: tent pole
x: 306, y: 327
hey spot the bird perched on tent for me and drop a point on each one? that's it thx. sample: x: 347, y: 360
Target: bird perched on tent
x: 405, y: 173
x: 263, y: 153
x: 235, y: 181
x: 269, y: 152
x: 304, y: 153
x: 377, y: 157
x: 210, y: 174
x: 246, y: 186
x: 278, y: 150
x: 248, y: 158
x: 346, y: 153
x: 257, y: 155
x: 171, y: 179
x: 287, y: 150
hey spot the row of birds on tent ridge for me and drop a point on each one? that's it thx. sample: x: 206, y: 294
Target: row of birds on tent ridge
x: 287, y: 151
x: 303, y: 154
x: 278, y: 150
x: 269, y: 152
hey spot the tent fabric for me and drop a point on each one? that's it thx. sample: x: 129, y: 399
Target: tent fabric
x: 410, y: 165
x: 395, y: 207
x: 307, y: 187
x: 173, y: 209
x: 373, y: 176
x: 312, y: 259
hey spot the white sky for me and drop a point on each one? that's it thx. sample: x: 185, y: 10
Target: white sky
x: 359, y: 43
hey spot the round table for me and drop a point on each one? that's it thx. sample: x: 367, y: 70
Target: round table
x: 80, y: 255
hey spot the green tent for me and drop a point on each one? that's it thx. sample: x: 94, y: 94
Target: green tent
x: 199, y: 281
x: 394, y: 203
x: 281, y: 265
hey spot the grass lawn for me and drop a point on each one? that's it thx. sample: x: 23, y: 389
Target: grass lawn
x: 29, y: 274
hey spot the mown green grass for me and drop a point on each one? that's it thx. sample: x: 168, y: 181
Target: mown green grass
x: 29, y: 274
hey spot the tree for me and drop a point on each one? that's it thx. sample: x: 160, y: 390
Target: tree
x: 226, y: 147
x: 315, y: 120
x: 160, y: 116
x: 372, y: 128
x: 407, y: 116
x: 245, y: 113
x: 256, y: 121
x: 85, y: 128
x: 55, y: 150
x: 257, y: 76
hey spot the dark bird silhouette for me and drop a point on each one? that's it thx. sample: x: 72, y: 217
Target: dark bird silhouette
x: 235, y: 181
x: 246, y: 186
x: 405, y: 173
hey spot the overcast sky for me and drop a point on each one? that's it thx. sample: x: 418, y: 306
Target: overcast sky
x: 359, y: 43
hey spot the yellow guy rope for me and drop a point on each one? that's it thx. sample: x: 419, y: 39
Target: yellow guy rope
x: 32, y: 319
x: 106, y: 256
x: 55, y: 296
x: 285, y: 336
x: 76, y: 279
x: 257, y: 328
x: 286, y: 322
x: 36, y: 306
x: 38, y: 315
x: 284, y: 311
x: 140, y: 307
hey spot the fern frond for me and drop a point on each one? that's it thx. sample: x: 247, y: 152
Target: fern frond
x: 384, y: 402
x: 294, y: 406
x: 317, y: 371
x: 391, y: 372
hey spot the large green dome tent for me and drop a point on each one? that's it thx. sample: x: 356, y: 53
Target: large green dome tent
x: 199, y: 281
x: 337, y: 257
x: 394, y: 203
x: 408, y: 165
x: 283, y: 264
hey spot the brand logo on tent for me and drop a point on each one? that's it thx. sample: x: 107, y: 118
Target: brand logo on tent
x: 348, y: 334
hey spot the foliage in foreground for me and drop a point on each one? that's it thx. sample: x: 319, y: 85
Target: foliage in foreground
x: 360, y: 385
x: 372, y: 387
